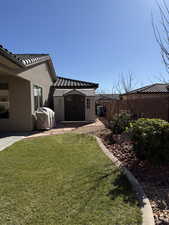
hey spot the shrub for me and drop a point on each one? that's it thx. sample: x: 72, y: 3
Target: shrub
x: 120, y: 122
x: 150, y: 139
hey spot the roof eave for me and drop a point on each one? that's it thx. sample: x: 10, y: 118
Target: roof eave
x: 50, y: 64
x: 53, y: 72
x: 45, y: 58
x: 59, y: 84
x: 11, y: 58
x: 144, y: 93
x: 73, y: 87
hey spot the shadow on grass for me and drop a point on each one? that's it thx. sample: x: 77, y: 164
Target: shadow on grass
x: 122, y: 188
x: 118, y: 189
x: 116, y: 180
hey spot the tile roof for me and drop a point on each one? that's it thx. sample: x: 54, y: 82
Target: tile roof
x: 28, y: 59
x: 62, y: 83
x: 23, y: 60
x: 154, y: 88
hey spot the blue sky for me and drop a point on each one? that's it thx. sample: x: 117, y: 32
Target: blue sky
x: 91, y: 40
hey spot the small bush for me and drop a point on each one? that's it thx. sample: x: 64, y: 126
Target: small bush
x: 150, y: 139
x: 120, y: 122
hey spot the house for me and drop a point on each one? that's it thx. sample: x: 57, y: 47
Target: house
x: 151, y: 101
x: 29, y: 81
x: 149, y: 91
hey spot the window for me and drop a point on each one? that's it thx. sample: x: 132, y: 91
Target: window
x: 4, y: 101
x: 88, y: 103
x: 38, y: 99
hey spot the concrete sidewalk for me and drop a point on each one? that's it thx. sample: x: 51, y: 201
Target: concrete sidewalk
x: 6, y: 141
x: 71, y: 127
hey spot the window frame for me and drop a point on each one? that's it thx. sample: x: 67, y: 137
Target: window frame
x: 39, y: 97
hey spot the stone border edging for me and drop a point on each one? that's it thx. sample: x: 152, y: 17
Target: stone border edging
x: 147, y: 213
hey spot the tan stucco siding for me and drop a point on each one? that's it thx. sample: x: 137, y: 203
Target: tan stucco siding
x: 90, y: 113
x: 8, y: 63
x: 20, y: 116
x: 8, y: 67
x: 86, y: 92
x: 59, y: 108
x: 40, y: 76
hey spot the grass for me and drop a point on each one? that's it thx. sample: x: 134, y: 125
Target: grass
x: 63, y: 180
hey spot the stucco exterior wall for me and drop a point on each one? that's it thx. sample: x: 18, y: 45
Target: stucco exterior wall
x: 21, y: 96
x: 59, y: 108
x: 20, y: 117
x: 90, y: 113
x: 39, y: 76
x: 87, y: 92
x: 8, y: 63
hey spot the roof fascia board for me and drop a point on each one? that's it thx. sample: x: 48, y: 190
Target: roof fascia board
x: 74, y: 91
x: 11, y: 58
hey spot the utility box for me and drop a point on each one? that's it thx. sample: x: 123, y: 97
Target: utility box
x: 100, y: 110
x: 45, y: 118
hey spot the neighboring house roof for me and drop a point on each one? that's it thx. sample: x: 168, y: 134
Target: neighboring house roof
x: 63, y: 83
x: 23, y: 60
x: 106, y: 97
x: 154, y: 88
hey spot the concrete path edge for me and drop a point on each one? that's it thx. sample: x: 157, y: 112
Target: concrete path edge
x: 147, y: 213
x: 8, y: 141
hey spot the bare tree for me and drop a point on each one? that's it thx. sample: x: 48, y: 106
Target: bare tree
x: 100, y: 91
x: 125, y: 83
x: 162, y: 37
x: 161, y: 32
x: 161, y: 78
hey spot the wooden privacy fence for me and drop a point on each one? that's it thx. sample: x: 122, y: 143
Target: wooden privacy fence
x: 145, y: 107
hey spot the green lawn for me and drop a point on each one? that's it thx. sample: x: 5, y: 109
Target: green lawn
x: 63, y: 180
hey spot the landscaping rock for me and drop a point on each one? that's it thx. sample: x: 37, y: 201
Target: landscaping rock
x: 154, y: 180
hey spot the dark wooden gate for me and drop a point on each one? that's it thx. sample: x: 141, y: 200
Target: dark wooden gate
x: 74, y: 107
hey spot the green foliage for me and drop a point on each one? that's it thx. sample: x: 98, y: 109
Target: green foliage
x: 150, y: 139
x: 120, y: 122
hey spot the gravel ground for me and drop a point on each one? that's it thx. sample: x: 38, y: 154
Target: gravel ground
x: 155, y: 181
